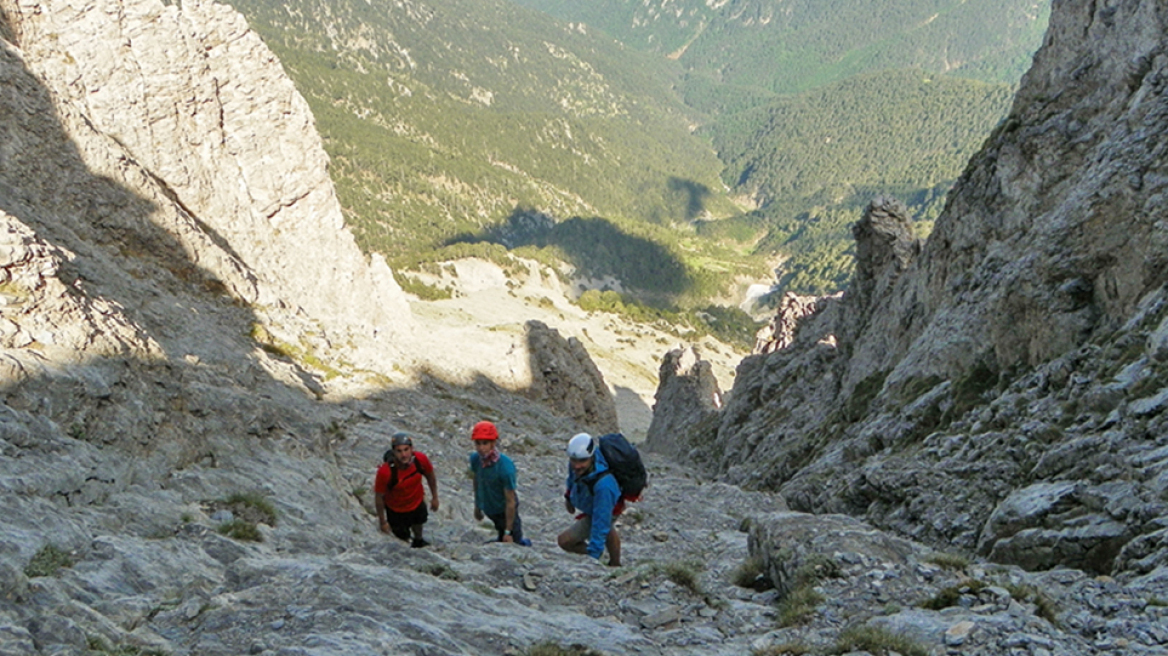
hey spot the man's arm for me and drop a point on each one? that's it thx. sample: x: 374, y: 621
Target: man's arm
x: 605, y: 495
x: 509, y: 514
x: 568, y: 494
x: 382, y: 521
x: 432, y: 480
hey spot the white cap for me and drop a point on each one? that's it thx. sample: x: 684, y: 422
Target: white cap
x: 581, y: 446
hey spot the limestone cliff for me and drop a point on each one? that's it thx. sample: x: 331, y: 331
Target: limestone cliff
x: 955, y: 382
x: 171, y: 132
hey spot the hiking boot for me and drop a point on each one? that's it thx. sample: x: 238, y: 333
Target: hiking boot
x: 418, y: 543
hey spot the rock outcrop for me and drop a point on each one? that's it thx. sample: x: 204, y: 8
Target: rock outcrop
x: 687, y: 399
x: 780, y: 332
x: 564, y: 377
x: 1015, y: 351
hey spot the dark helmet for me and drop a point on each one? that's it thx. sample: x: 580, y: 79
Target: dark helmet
x: 401, y: 437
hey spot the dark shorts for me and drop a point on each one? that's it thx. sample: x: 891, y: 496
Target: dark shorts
x: 400, y: 523
x: 500, y: 522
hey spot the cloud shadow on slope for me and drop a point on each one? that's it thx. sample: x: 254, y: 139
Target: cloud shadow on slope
x: 597, y: 248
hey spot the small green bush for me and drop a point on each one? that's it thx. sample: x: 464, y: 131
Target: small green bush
x: 411, y: 285
x: 250, y: 507
x: 47, y: 561
x: 238, y: 529
x: 747, y: 573
x: 798, y: 606
x: 1044, y: 606
x: 683, y: 574
x: 876, y: 641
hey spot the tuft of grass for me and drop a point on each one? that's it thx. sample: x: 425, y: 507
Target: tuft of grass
x: 876, y: 641
x: 683, y: 574
x: 748, y: 573
x: 250, y: 506
x: 798, y: 606
x: 239, y: 529
x: 440, y: 570
x: 47, y: 561
x: 949, y: 596
x: 551, y: 648
x: 1044, y: 606
x: 948, y: 561
x: 423, y: 291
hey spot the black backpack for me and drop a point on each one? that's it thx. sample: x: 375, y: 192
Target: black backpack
x: 624, y: 463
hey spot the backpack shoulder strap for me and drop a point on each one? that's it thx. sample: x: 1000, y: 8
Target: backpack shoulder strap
x: 591, y: 483
x: 393, y: 474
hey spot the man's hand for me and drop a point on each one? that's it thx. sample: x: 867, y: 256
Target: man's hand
x: 569, y: 506
x: 434, y: 504
x: 384, y: 526
x: 508, y: 538
x: 478, y: 515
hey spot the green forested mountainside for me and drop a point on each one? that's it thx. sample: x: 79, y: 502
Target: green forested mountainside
x: 813, y: 161
x: 815, y: 107
x: 450, y: 123
x: 442, y: 118
x: 898, y: 131
x: 786, y: 46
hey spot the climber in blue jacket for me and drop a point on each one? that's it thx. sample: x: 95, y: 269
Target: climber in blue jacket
x: 594, y: 493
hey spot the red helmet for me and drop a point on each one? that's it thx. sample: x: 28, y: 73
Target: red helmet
x: 484, y: 430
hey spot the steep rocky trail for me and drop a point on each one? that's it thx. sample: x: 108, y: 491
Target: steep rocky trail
x: 149, y: 569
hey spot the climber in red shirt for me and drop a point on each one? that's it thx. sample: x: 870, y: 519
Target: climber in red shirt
x: 400, y: 498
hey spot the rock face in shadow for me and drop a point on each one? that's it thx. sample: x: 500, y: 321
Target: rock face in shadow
x: 1015, y: 348
x: 564, y: 377
x: 687, y: 398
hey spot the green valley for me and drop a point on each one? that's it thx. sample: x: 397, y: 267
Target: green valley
x: 677, y: 147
